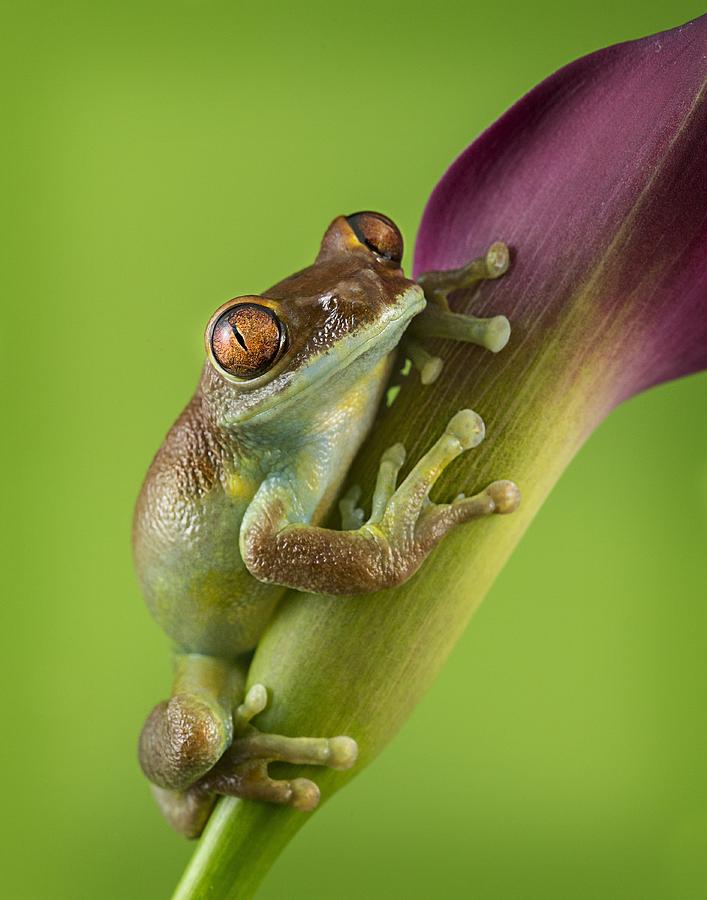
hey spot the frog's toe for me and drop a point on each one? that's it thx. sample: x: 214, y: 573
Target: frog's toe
x: 336, y: 753
x: 429, y: 366
x: 390, y: 465
x: 505, y: 496
x: 343, y: 752
x: 467, y: 427
x: 256, y: 784
x: 494, y: 334
x: 254, y: 702
x: 351, y: 514
x: 500, y: 498
x: 498, y: 259
x: 305, y: 794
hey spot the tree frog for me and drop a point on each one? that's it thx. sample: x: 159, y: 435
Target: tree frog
x: 229, y: 515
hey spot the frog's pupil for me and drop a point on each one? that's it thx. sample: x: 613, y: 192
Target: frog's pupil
x: 239, y: 337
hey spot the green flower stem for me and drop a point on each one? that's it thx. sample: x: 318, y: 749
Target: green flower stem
x: 359, y: 665
x: 236, y: 851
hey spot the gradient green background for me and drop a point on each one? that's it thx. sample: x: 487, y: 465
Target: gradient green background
x: 163, y: 157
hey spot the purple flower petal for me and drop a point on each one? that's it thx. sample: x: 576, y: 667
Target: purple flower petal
x: 597, y: 179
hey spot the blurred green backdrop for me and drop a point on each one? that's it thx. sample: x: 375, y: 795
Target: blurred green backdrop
x: 162, y: 157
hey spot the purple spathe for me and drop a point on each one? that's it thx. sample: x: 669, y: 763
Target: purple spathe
x: 597, y: 179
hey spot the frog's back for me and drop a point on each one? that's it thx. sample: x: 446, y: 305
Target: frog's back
x: 185, y: 540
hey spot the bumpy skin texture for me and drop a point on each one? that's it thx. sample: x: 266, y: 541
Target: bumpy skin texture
x: 186, y: 540
x: 231, y: 443
x: 182, y: 740
x: 228, y: 517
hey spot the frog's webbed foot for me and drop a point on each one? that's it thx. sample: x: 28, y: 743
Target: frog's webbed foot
x: 242, y: 771
x: 196, y: 746
x: 390, y: 546
x: 407, y: 519
x: 437, y: 320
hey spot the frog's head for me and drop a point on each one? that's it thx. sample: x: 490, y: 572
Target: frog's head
x: 312, y: 335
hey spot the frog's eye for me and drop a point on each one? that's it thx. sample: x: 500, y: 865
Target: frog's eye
x: 379, y: 234
x: 246, y: 339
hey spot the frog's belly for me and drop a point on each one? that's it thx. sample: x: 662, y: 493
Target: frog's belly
x: 195, y: 582
x: 213, y: 610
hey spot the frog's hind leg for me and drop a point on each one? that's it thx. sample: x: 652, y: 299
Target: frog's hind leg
x: 200, y: 744
x: 186, y: 735
x: 437, y: 320
x: 186, y: 811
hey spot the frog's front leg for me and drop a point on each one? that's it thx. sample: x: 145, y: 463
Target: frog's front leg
x: 201, y: 743
x: 437, y: 320
x: 387, y: 549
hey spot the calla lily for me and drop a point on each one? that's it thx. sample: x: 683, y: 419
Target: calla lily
x: 597, y: 181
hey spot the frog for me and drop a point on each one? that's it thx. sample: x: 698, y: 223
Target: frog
x: 233, y: 512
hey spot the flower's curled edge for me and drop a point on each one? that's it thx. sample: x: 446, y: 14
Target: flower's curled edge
x: 597, y: 180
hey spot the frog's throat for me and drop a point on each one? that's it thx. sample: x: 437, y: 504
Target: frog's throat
x: 320, y: 367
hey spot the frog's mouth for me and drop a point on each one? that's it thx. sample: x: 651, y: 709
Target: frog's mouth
x: 381, y: 338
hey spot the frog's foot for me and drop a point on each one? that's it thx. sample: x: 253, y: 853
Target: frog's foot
x: 243, y: 769
x: 403, y: 527
x: 437, y: 320
x: 407, y: 520
x: 438, y: 285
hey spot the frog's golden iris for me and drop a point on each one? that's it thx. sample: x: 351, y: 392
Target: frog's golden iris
x: 246, y: 339
x: 380, y: 234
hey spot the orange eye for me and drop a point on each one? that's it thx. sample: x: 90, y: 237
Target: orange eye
x: 246, y: 339
x: 379, y: 234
